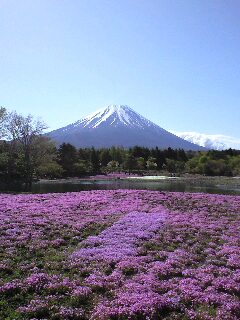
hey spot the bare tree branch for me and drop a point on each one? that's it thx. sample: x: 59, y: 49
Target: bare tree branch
x: 24, y: 129
x: 3, y: 117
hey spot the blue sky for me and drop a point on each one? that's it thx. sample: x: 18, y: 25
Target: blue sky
x: 175, y: 62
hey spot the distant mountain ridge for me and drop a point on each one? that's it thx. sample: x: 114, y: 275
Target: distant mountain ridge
x: 210, y: 141
x: 118, y: 125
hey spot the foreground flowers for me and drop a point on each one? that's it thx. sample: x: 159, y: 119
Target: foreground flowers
x: 120, y: 255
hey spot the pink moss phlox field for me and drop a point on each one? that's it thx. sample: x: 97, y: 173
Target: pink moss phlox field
x: 121, y: 239
x: 120, y: 254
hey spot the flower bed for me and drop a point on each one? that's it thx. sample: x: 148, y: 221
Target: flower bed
x: 120, y: 254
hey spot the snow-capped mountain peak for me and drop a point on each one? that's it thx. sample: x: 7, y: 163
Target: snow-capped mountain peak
x: 118, y: 125
x: 113, y: 115
x: 117, y: 112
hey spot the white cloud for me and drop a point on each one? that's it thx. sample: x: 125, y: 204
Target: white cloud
x: 211, y: 141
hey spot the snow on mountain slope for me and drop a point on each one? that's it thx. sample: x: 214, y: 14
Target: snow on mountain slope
x: 113, y: 115
x: 95, y: 119
x: 210, y: 141
x: 118, y: 125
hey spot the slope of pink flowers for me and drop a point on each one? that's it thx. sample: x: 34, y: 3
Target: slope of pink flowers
x: 120, y: 254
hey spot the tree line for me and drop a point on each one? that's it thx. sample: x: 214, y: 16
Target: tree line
x: 27, y: 154
x: 77, y: 162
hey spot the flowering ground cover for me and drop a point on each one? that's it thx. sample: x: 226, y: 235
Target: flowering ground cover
x: 120, y: 254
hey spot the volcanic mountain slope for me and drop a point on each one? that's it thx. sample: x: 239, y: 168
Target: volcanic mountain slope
x: 118, y: 126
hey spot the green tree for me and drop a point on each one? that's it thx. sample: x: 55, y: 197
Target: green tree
x: 216, y: 168
x: 129, y: 162
x: 194, y: 166
x: 159, y: 155
x: 82, y: 167
x: 113, y: 165
x: 49, y: 170
x: 24, y: 136
x: 94, y: 159
x: 151, y: 163
x: 67, y: 157
x: 181, y: 155
x: 234, y: 163
x: 140, y: 163
x: 104, y: 157
x: 116, y: 154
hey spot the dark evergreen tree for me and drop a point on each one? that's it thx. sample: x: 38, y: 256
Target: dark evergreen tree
x: 130, y: 162
x: 94, y: 159
x: 181, y: 155
x: 67, y: 157
x: 159, y: 155
x: 104, y: 157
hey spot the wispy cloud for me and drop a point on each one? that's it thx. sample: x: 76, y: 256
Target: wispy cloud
x: 212, y: 141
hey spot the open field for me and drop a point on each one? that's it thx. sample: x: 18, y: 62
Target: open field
x: 120, y: 254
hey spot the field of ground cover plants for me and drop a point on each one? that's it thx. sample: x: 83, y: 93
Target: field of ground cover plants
x: 119, y: 254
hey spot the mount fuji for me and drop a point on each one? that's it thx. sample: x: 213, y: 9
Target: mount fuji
x: 118, y: 125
